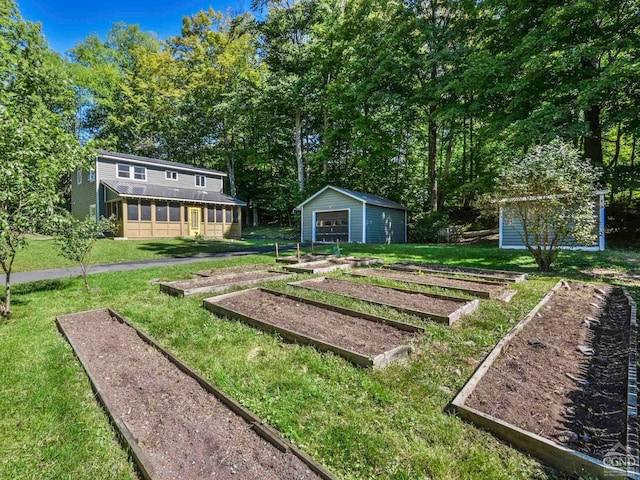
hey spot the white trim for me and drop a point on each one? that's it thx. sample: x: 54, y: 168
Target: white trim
x: 132, y: 173
x: 177, y: 166
x: 544, y: 197
x: 302, y: 225
x: 364, y: 222
x: 313, y: 224
x: 603, y: 219
x: 560, y: 247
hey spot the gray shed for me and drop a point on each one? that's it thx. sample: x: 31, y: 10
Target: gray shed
x: 337, y: 214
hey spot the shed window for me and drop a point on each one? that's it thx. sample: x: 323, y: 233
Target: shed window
x: 161, y: 212
x: 145, y: 211
x: 201, y: 181
x: 174, y: 212
x: 132, y: 212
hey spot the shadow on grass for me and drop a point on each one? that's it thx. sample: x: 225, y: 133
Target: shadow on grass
x: 187, y: 247
x: 39, y: 286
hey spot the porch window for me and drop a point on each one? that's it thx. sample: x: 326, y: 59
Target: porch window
x: 228, y: 214
x: 161, y: 212
x: 145, y: 211
x: 132, y: 212
x: 236, y: 214
x: 218, y: 214
x: 210, y: 215
x: 174, y: 212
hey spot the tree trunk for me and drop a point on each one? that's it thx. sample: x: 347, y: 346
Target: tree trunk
x: 433, y: 173
x: 297, y: 134
x: 593, y: 140
x: 231, y: 167
x: 446, y: 171
x: 7, y: 302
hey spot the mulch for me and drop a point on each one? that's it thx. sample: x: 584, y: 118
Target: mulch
x: 543, y: 383
x: 185, y: 432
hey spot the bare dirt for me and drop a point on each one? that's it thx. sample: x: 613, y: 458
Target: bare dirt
x: 224, y: 279
x: 412, y: 301
x: 352, y: 333
x: 544, y: 384
x: 433, y: 280
x: 214, y: 272
x: 186, y: 432
x: 307, y: 257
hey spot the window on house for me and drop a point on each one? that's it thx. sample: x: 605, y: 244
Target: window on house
x: 227, y: 216
x: 210, y: 215
x: 145, y: 211
x: 236, y: 214
x: 218, y: 214
x: 92, y: 175
x: 174, y: 212
x: 140, y: 173
x: 161, y: 212
x: 132, y: 212
x: 123, y: 171
x: 92, y: 211
x: 170, y: 175
x: 201, y: 181
x: 78, y: 177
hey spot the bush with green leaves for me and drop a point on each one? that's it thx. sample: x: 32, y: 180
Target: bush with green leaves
x: 75, y: 239
x: 551, y: 202
x: 425, y: 226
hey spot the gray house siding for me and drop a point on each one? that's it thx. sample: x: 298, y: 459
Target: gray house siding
x: 328, y: 201
x: 82, y: 195
x: 107, y: 170
x: 385, y: 225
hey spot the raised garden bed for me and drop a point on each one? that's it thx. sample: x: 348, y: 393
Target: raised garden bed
x: 184, y: 288
x: 216, y: 272
x: 483, y: 273
x: 562, y: 385
x: 365, y: 340
x: 441, y: 308
x: 476, y: 288
x: 307, y: 257
x: 175, y: 423
x: 332, y: 264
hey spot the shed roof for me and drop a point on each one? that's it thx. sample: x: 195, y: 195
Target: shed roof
x: 159, y: 162
x: 138, y: 190
x: 367, y: 198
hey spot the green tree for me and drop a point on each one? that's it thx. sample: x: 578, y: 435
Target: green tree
x: 551, y: 199
x: 76, y: 238
x: 37, y: 145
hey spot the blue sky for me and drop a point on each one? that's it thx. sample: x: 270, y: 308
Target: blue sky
x: 67, y: 22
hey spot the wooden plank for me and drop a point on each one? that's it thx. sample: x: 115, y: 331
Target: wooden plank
x: 467, y: 306
x: 552, y: 453
x: 263, y: 429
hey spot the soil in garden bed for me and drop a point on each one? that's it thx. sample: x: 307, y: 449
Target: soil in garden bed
x: 469, y: 271
x: 349, y: 332
x: 224, y: 279
x: 388, y: 296
x: 186, y: 432
x: 215, y: 272
x: 537, y: 383
x: 489, y: 288
x: 307, y: 257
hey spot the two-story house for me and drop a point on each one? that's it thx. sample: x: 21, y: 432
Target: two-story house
x: 151, y: 198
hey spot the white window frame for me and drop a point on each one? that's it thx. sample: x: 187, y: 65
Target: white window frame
x: 203, y: 178
x: 79, y: 177
x: 313, y: 225
x: 171, y: 175
x: 131, y: 169
x: 92, y: 211
x: 92, y: 175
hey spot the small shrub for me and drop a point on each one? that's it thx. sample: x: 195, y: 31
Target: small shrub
x: 425, y: 226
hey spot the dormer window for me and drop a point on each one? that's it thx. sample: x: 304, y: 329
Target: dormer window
x: 170, y: 175
x: 201, y: 181
x: 132, y: 171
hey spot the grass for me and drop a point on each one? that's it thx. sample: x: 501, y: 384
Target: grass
x: 361, y: 424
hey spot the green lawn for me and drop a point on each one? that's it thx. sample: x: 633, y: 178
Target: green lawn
x: 360, y: 424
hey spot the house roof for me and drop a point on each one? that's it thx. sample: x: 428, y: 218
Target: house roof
x: 367, y: 198
x: 158, y: 162
x: 544, y: 197
x: 139, y: 190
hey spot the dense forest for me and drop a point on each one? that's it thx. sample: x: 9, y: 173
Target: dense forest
x: 417, y: 101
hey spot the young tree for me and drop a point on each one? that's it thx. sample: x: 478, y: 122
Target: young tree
x: 551, y: 201
x: 76, y: 238
x: 37, y: 146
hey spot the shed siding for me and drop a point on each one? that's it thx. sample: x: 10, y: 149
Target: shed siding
x: 510, y: 233
x: 156, y: 175
x: 332, y: 200
x: 385, y: 225
x: 82, y: 195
